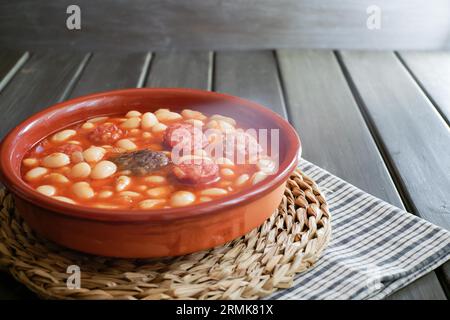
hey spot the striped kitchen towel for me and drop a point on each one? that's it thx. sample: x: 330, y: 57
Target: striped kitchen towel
x: 375, y: 248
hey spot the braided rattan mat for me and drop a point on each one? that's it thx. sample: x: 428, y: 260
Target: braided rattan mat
x: 253, y: 266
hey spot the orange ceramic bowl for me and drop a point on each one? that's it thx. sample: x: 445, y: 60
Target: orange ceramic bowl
x: 146, y: 233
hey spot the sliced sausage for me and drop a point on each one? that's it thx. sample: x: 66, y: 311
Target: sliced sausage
x: 106, y: 133
x: 184, y: 135
x: 198, y: 171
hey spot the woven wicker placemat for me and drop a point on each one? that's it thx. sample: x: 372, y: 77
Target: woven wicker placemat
x: 250, y: 267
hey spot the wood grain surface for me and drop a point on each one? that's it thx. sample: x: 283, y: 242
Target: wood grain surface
x: 141, y: 25
x: 363, y: 116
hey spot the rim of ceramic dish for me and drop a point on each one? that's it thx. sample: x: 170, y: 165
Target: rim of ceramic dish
x: 14, y: 182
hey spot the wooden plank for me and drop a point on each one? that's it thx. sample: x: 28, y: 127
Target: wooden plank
x: 432, y: 72
x: 181, y: 69
x: 332, y: 130
x: 414, y: 136
x: 335, y: 136
x: 109, y: 71
x: 252, y: 75
x: 10, y: 63
x: 38, y: 84
x: 142, y: 25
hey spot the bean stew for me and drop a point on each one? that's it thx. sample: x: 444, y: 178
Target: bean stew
x: 150, y: 160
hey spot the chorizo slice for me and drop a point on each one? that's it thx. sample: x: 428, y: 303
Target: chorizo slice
x: 198, y: 171
x: 106, y: 133
x: 184, y: 135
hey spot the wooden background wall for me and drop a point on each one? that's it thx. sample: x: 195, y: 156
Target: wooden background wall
x: 137, y: 25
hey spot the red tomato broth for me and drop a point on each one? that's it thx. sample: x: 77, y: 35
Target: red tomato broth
x: 136, y: 192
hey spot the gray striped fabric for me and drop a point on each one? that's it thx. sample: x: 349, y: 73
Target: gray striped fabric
x: 375, y: 248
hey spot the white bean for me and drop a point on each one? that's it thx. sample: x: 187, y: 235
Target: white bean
x: 223, y: 118
x: 258, y: 177
x: 197, y: 123
x: 168, y: 116
x: 56, y: 160
x: 212, y: 124
x: 103, y: 169
x: 93, y: 154
x: 224, y: 162
x: 83, y: 190
x: 46, y: 190
x: 63, y: 135
x: 88, y: 125
x: 155, y: 179
x: 220, y: 125
x: 80, y: 170
x: 204, y: 199
x: 105, y: 194
x: 182, y: 198
x: 242, y: 179
x: 213, y: 192
x: 224, y: 126
x: 126, y: 144
x: 148, y: 120
x: 57, y: 178
x: 227, y: 172
x: 161, y: 110
x: 266, y: 165
x: 122, y: 182
x: 158, y: 192
x: 133, y: 114
x: 74, y: 142
x: 159, y: 127
x: 64, y: 199
x: 131, y: 123
x: 35, y: 173
x: 191, y: 114
x: 30, y: 162
x: 150, y: 203
x: 134, y: 132
x: 131, y: 194
x: 97, y: 119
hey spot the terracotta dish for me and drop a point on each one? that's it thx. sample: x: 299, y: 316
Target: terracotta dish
x: 156, y: 232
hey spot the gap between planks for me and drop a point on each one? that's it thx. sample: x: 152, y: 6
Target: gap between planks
x: 422, y: 88
x: 12, y: 72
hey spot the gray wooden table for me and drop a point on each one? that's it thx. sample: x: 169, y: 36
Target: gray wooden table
x: 379, y: 120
